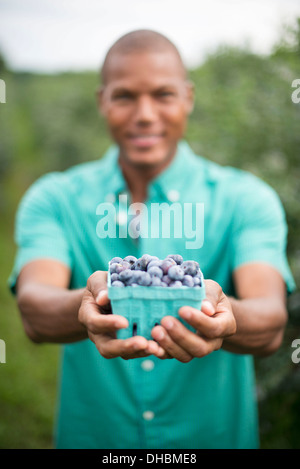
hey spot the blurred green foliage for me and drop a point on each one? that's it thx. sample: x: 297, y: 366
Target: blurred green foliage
x: 243, y: 116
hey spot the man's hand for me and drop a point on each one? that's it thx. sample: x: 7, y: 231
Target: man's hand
x: 95, y: 314
x: 213, y: 323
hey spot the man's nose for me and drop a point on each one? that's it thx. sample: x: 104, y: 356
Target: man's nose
x: 145, y: 111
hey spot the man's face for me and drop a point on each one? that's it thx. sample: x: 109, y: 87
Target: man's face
x: 146, y: 101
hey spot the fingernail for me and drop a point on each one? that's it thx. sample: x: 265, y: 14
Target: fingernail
x: 121, y: 324
x: 207, y: 305
x: 168, y: 324
x: 136, y: 347
x: 101, y: 294
x: 185, y: 314
x: 160, y: 335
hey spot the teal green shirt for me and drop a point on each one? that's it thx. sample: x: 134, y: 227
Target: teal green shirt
x: 146, y: 402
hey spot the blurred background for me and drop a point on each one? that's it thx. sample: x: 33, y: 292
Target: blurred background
x: 243, y: 57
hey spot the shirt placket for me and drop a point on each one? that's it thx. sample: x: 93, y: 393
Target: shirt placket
x: 147, y: 369
x: 146, y: 380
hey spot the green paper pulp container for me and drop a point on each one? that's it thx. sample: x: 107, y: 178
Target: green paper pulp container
x: 144, y: 307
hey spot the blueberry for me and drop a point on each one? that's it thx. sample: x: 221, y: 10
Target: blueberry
x: 125, y: 275
x: 175, y: 284
x: 130, y: 259
x: 163, y: 284
x: 177, y: 258
x: 188, y: 281
x: 144, y: 279
x: 113, y: 267
x: 155, y: 272
x: 135, y: 274
x: 122, y: 266
x: 170, y: 258
x: 140, y: 264
x: 166, y: 264
x: 190, y: 267
x: 166, y: 279
x: 155, y: 282
x: 153, y: 263
x: 148, y: 270
x: 114, y: 277
x: 146, y: 258
x: 197, y: 281
x: 175, y: 272
x: 116, y: 260
x: 117, y: 284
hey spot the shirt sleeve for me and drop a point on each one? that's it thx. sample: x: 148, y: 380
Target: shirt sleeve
x: 39, y: 227
x: 260, y: 229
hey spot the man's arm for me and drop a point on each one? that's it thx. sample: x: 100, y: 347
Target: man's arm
x: 53, y: 313
x: 48, y: 309
x: 260, y: 310
x: 252, y: 324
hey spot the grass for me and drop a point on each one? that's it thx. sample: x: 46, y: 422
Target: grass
x: 28, y: 379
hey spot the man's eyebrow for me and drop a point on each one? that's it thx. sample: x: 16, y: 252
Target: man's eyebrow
x: 155, y: 89
x: 166, y: 87
x: 122, y: 89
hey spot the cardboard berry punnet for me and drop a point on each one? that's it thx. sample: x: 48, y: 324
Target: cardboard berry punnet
x: 145, y: 290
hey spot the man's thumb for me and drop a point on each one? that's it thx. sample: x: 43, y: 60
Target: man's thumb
x: 207, y: 308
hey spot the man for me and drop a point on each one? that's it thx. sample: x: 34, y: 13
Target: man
x: 181, y: 389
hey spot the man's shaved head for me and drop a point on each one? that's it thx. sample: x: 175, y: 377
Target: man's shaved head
x: 140, y: 41
x: 146, y: 99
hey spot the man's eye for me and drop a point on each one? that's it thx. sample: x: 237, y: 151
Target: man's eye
x: 122, y: 96
x: 165, y: 94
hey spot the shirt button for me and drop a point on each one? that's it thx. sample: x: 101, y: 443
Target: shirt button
x: 147, y: 365
x: 173, y: 195
x: 148, y: 415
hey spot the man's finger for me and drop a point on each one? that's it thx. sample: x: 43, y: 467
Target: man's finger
x: 97, y: 286
x: 90, y: 316
x: 197, y: 319
x: 189, y: 342
x: 97, y: 282
x: 221, y: 324
x: 171, y: 348
x: 213, y: 295
x: 103, y: 301
x: 208, y: 308
x: 132, y: 347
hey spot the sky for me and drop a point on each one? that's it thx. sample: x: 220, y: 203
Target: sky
x: 48, y: 36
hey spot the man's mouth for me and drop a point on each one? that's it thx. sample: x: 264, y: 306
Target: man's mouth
x: 145, y: 140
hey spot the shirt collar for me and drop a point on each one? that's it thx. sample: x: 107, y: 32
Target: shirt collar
x: 168, y: 185
x: 115, y: 178
x: 172, y: 181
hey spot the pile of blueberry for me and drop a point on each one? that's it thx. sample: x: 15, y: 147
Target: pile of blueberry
x: 149, y: 271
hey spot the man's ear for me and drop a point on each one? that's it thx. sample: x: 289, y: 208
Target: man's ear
x: 190, y: 96
x: 100, y: 100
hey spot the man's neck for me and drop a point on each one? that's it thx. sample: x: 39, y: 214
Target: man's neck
x: 138, y: 178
